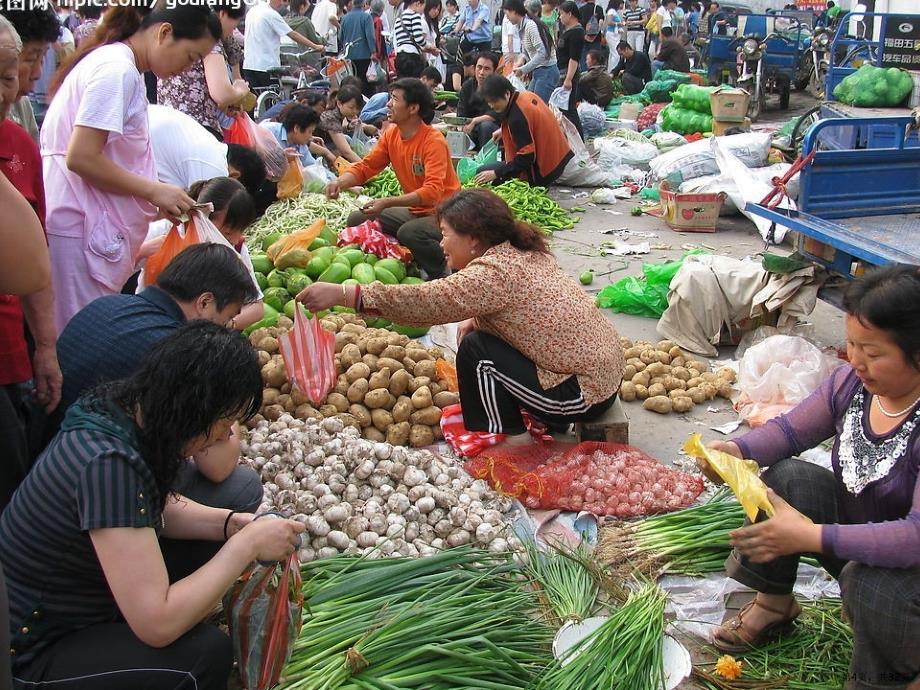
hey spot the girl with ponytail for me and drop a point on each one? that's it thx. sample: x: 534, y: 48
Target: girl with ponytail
x: 100, y: 177
x: 530, y: 338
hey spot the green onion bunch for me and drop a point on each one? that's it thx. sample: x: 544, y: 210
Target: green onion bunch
x: 693, y: 541
x: 462, y: 618
x: 625, y: 653
x: 566, y: 585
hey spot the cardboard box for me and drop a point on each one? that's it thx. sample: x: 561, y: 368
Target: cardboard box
x: 720, y: 127
x: 690, y: 212
x: 729, y: 105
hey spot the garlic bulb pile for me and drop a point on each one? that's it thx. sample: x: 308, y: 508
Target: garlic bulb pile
x: 364, y: 497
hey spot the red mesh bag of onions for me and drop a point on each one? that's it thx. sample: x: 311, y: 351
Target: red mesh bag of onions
x: 600, y: 478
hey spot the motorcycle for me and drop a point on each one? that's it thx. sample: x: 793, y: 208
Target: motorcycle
x: 759, y: 77
x: 819, y: 52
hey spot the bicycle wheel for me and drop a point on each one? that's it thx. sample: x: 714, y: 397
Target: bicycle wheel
x: 266, y: 101
x: 809, y: 118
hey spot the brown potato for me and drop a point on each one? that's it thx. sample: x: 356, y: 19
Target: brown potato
x: 664, y: 357
x: 370, y: 361
x: 693, y: 383
x: 356, y: 371
x: 337, y: 400
x: 628, y: 372
x: 445, y: 398
x: 672, y: 382
x: 436, y: 352
x: 274, y: 375
x: 392, y: 364
x: 658, y: 369
x: 398, y: 434
x: 641, y: 392
x: 429, y: 415
x: 628, y: 391
x: 418, y: 353
x: 435, y: 388
x: 648, y: 356
x: 257, y: 335
x: 270, y: 396
x: 343, y: 339
x: 421, y: 398
x: 637, y: 363
x: 665, y: 345
x: 272, y: 412
x: 657, y: 390
x: 379, y: 379
x: 394, y: 352
x: 420, y: 436
x: 682, y: 404
x: 286, y: 388
x: 708, y: 389
x: 361, y: 413
x: 418, y: 382
x: 659, y: 403
x: 348, y: 420
x: 727, y: 373
x: 709, y: 377
x: 399, y: 382
x: 642, y: 379
x: 675, y: 352
x: 379, y: 398
x: 372, y: 433
x: 409, y: 364
x: 724, y: 390
x: 656, y: 379
x: 397, y: 339
x: 357, y: 391
x: 698, y: 365
x: 351, y: 354
x: 632, y: 352
x: 425, y: 367
x: 678, y: 361
x: 697, y: 395
x: 306, y: 411
x: 403, y: 409
x: 680, y: 373
x: 328, y: 410
x: 375, y: 345
x: 381, y: 419
x: 694, y: 373
x: 264, y: 358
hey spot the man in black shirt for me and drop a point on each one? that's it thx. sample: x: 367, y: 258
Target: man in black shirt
x: 484, y: 121
x: 672, y: 54
x: 635, y: 68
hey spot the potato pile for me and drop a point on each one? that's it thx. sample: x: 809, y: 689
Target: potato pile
x: 668, y: 380
x: 388, y: 385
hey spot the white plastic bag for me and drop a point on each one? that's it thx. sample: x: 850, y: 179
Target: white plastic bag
x: 698, y: 158
x: 517, y: 83
x: 713, y: 184
x: 777, y: 374
x: 583, y: 173
x: 748, y: 188
x: 560, y: 98
x: 637, y: 154
x: 375, y: 73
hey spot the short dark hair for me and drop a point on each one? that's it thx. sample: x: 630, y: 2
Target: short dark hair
x: 469, y: 58
x: 208, y: 267
x: 249, y: 164
x: 34, y: 24
x: 432, y: 73
x: 416, y: 93
x: 452, y: 3
x: 623, y: 45
x: 227, y: 195
x: 349, y: 93
x: 569, y: 7
x: 350, y: 80
x: 888, y: 298
x: 300, y: 116
x: 91, y: 9
x: 297, y: 5
x: 187, y: 382
x: 597, y: 56
x: 667, y: 31
x: 487, y: 55
x: 516, y: 6
x: 494, y: 87
x: 232, y: 8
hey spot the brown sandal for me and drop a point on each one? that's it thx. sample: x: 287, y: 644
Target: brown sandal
x: 743, y: 642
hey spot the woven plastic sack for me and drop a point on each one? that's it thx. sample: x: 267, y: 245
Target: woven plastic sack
x: 601, y: 478
x: 265, y: 613
x: 308, y: 350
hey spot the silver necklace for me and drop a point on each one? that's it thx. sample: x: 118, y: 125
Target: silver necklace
x: 894, y: 415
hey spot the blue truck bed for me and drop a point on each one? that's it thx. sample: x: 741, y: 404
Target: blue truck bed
x: 857, y: 206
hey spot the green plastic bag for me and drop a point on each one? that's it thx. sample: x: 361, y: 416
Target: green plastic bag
x: 467, y: 167
x: 645, y: 296
x: 692, y: 97
x: 871, y: 86
x: 684, y: 121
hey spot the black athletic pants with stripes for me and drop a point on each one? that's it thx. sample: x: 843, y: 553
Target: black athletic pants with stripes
x: 496, y: 381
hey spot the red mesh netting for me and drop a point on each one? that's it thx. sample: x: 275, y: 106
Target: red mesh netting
x: 601, y: 478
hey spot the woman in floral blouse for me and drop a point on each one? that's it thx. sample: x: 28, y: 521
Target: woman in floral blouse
x: 206, y: 89
x: 530, y: 337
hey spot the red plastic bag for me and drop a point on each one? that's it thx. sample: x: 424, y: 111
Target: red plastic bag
x: 372, y: 240
x: 265, y: 613
x: 308, y: 350
x: 247, y: 133
x: 601, y: 478
x: 469, y: 444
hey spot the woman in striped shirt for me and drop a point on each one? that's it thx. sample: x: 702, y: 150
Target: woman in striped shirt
x: 91, y: 602
x: 412, y: 48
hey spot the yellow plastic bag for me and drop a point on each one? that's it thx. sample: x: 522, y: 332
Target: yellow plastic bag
x: 291, y: 183
x: 742, y: 476
x: 292, y: 251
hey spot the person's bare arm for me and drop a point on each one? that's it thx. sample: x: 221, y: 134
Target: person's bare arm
x: 157, y: 612
x: 343, y: 147
x: 24, y: 264
x: 38, y: 308
x: 220, y: 89
x: 306, y: 42
x: 248, y: 315
x: 85, y: 157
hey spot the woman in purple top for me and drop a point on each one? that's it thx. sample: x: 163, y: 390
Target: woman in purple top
x: 863, y: 519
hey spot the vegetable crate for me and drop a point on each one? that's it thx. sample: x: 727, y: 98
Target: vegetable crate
x: 690, y: 212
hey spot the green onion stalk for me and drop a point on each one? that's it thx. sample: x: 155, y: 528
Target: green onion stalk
x: 814, y: 655
x: 693, y: 541
x: 625, y: 653
x: 289, y: 215
x: 462, y: 618
x: 566, y: 585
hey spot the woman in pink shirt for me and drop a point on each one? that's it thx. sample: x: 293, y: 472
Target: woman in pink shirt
x: 102, y: 188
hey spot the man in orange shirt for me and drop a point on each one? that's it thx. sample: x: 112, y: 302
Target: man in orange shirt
x: 535, y: 147
x: 421, y: 160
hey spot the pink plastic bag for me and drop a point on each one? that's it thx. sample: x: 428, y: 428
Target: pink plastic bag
x: 308, y: 350
x: 371, y: 239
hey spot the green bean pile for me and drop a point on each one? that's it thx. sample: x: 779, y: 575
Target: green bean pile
x: 289, y: 215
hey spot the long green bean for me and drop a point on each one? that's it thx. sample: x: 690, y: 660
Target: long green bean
x: 289, y: 215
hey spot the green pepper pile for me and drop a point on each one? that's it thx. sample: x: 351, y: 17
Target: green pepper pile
x: 384, y: 184
x: 532, y: 205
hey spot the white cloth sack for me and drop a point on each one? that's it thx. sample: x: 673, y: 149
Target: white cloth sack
x: 698, y: 158
x: 749, y: 189
x: 636, y: 154
x: 713, y: 184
